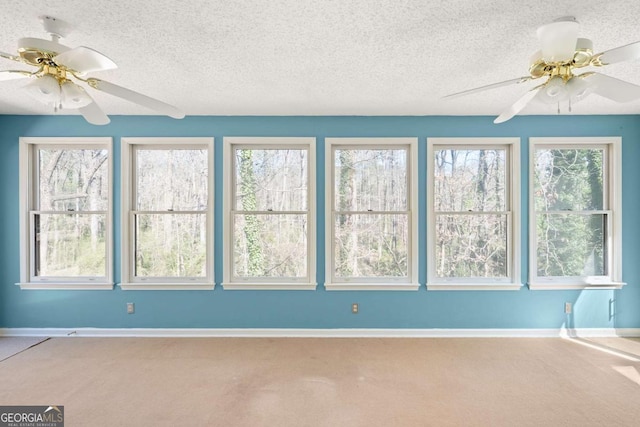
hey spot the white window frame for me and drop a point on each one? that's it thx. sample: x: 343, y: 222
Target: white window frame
x: 410, y: 283
x: 128, y: 173
x: 513, y: 281
x: 266, y: 283
x: 612, y: 188
x: 28, y: 203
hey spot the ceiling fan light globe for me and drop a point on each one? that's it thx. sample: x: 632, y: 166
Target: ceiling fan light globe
x: 45, y: 89
x: 73, y: 96
x: 554, y: 91
x: 578, y: 88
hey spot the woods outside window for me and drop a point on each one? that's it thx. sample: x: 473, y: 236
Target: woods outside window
x: 65, y: 213
x: 575, y: 213
x: 167, y: 213
x: 371, y: 218
x: 473, y: 220
x: 269, y: 213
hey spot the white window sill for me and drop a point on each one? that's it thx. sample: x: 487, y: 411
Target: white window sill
x: 546, y: 286
x: 136, y: 286
x: 474, y: 286
x: 259, y: 286
x: 372, y: 286
x: 67, y: 286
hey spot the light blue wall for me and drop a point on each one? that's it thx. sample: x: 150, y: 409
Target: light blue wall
x: 319, y: 309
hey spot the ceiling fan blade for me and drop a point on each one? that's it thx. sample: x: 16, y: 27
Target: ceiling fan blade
x: 84, y: 60
x: 618, y: 54
x: 136, y: 98
x: 94, y: 114
x: 9, y: 56
x: 13, y: 74
x: 488, y: 87
x: 558, y: 39
x: 517, y: 106
x: 612, y: 88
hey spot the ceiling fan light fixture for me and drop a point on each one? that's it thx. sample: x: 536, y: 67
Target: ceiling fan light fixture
x: 73, y: 96
x: 45, y: 89
x: 578, y: 88
x: 554, y: 91
x: 559, y: 39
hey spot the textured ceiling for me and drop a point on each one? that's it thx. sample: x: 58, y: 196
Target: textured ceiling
x: 319, y: 57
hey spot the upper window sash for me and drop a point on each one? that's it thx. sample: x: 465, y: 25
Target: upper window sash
x: 134, y: 209
x: 610, y: 212
x: 263, y: 212
x: 32, y: 213
x: 510, y: 214
x: 409, y: 281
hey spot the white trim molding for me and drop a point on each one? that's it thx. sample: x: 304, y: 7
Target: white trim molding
x: 182, y: 286
x: 128, y: 159
x: 29, y: 207
x: 575, y: 286
x: 336, y: 283
x: 512, y: 212
x: 474, y: 286
x: 260, y: 283
x: 66, y: 286
x: 612, y: 208
x: 321, y: 333
x: 260, y: 286
x: 372, y: 286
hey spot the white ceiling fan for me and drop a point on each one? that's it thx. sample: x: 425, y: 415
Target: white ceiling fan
x: 61, y: 69
x: 562, y: 54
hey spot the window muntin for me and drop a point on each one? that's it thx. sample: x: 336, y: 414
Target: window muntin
x: 371, y: 239
x: 168, y: 213
x: 473, y: 220
x: 270, y: 223
x: 66, y: 220
x: 574, y: 215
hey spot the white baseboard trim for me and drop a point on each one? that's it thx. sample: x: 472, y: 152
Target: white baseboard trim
x: 320, y: 333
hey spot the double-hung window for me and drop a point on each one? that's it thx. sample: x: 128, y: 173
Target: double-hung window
x: 575, y: 213
x: 65, y: 213
x: 371, y: 214
x: 167, y: 213
x: 473, y: 216
x: 269, y: 222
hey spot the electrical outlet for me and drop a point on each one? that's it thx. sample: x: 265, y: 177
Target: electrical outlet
x: 354, y: 308
x: 567, y: 307
x: 131, y: 308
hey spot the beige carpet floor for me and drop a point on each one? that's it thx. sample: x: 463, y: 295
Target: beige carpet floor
x: 10, y: 346
x: 330, y: 382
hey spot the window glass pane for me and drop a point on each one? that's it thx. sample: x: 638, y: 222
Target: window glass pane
x: 269, y: 245
x: 271, y: 179
x: 171, y: 180
x: 73, y: 180
x: 170, y: 245
x: 371, y: 245
x: 470, y: 180
x: 471, y: 246
x: 70, y: 245
x: 571, y: 245
x: 569, y: 179
x: 371, y: 179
